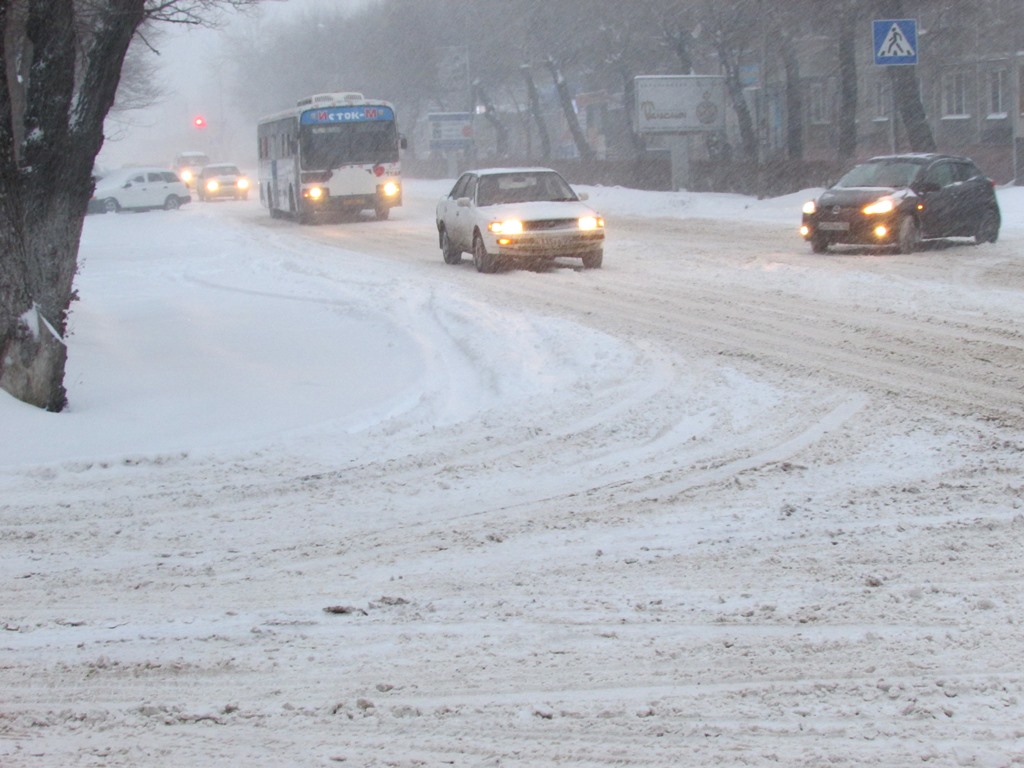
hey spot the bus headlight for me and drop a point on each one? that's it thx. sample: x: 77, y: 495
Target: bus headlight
x: 242, y: 183
x: 314, y: 193
x: 186, y: 175
x: 390, y: 188
x: 212, y: 185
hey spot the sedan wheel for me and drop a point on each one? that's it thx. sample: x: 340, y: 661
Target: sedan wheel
x: 451, y: 255
x: 988, y: 228
x: 110, y: 205
x: 593, y: 260
x: 909, y: 237
x: 482, y: 260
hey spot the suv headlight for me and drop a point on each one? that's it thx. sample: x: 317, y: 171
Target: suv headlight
x: 810, y: 207
x: 883, y: 205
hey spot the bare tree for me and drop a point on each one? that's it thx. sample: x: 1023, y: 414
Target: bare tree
x: 61, y: 66
x: 733, y: 29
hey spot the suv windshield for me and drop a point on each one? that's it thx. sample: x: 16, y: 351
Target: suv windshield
x: 883, y: 173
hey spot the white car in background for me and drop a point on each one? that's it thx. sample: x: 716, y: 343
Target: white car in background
x: 139, y: 189
x: 188, y: 164
x: 517, y: 215
x: 220, y: 180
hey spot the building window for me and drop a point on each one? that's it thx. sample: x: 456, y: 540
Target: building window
x: 819, y: 104
x: 954, y: 95
x: 997, y: 93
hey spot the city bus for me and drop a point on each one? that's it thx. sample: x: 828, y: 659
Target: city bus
x: 333, y: 154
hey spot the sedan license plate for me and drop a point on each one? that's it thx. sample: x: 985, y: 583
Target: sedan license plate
x: 834, y: 226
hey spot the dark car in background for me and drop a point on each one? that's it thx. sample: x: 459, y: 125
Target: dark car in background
x: 900, y: 200
x: 221, y: 180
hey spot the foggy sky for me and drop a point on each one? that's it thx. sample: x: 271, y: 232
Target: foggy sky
x: 188, y: 73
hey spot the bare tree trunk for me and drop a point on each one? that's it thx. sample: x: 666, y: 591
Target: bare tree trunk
x: 847, y: 81
x: 491, y: 114
x: 794, y: 101
x: 906, y: 92
x: 582, y: 146
x: 748, y: 136
x: 538, y: 116
x: 46, y: 178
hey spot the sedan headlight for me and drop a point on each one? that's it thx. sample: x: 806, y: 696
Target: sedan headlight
x: 587, y: 223
x: 242, y: 183
x: 883, y: 205
x: 212, y: 185
x: 810, y: 207
x: 509, y: 227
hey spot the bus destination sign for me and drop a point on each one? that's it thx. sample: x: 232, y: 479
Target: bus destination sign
x: 335, y: 115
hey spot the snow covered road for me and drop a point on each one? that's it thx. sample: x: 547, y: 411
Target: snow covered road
x: 322, y: 499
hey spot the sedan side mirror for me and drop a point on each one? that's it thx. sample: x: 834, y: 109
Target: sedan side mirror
x: 582, y: 196
x: 927, y: 186
x: 127, y: 184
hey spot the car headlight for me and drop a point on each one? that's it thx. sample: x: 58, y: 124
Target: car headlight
x: 509, y: 227
x: 242, y: 183
x: 810, y: 207
x: 587, y: 223
x: 390, y: 189
x: 883, y: 205
x: 212, y: 185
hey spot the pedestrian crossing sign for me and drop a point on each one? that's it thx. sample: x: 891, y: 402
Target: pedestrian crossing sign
x: 895, y: 41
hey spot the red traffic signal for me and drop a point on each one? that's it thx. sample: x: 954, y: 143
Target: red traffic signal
x: 199, y: 121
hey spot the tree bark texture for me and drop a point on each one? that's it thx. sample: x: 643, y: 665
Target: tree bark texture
x: 52, y: 110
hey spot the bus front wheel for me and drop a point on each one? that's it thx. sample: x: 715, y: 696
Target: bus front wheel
x: 382, y: 212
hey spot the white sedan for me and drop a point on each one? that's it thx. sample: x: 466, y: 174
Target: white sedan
x: 139, y: 189
x: 503, y: 215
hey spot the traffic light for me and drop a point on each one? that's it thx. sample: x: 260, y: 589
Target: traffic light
x: 199, y: 121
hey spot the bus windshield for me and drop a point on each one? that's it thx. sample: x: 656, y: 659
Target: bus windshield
x: 332, y: 146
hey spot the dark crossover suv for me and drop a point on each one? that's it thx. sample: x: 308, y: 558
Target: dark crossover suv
x: 903, y: 199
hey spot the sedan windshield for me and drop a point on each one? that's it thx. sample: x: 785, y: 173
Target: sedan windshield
x: 503, y: 188
x: 886, y: 173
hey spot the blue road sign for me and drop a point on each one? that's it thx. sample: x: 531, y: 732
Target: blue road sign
x: 895, y: 41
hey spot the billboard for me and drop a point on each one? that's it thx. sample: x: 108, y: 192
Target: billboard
x: 680, y: 103
x: 451, y: 130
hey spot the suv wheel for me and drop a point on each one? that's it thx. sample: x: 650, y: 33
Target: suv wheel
x: 988, y: 228
x: 908, y: 235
